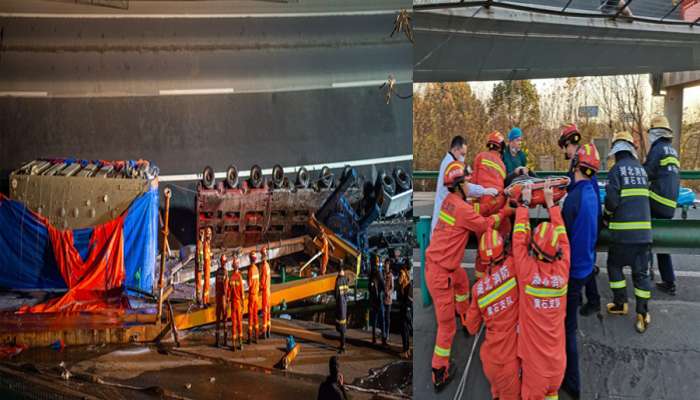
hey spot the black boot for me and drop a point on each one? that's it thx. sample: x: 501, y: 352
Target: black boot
x: 667, y: 287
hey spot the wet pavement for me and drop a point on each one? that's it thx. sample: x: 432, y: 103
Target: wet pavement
x: 200, y: 370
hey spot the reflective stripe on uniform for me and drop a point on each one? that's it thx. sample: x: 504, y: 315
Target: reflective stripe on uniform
x: 498, y: 292
x: 606, y: 211
x: 461, y: 298
x: 644, y: 294
x: 632, y: 225
x: 495, y: 166
x: 341, y: 321
x: 552, y: 397
x: 254, y: 276
x: 497, y: 221
x: 635, y: 192
x: 662, y: 200
x: 447, y: 218
x: 477, y: 208
x: 545, y: 292
x: 440, y: 352
x: 670, y: 160
x: 618, y: 284
x: 520, y: 228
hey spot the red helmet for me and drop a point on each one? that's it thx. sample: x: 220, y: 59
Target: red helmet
x: 569, y: 134
x: 253, y: 256
x: 588, y: 159
x: 545, y: 241
x: 223, y: 259
x: 495, y: 141
x: 491, y: 247
x: 455, y: 173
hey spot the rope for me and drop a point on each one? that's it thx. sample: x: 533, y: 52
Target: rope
x: 465, y: 374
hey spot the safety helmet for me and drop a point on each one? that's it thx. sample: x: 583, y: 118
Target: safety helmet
x: 569, y: 134
x: 223, y: 259
x: 660, y: 122
x: 253, y: 256
x: 491, y: 247
x: 588, y: 159
x: 495, y: 141
x: 455, y: 173
x: 545, y: 241
x: 623, y: 135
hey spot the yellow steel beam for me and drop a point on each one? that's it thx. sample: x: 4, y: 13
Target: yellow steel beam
x: 289, y: 292
x: 342, y: 247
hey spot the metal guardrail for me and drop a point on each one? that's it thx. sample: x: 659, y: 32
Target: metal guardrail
x: 689, y: 175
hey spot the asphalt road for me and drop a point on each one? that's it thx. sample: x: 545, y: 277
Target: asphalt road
x: 616, y: 362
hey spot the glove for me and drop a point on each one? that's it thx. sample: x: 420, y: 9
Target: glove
x: 490, y: 192
x: 475, y: 190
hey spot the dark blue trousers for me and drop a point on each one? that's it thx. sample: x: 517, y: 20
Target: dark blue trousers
x: 572, y: 379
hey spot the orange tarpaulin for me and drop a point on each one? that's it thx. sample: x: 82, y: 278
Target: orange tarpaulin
x: 94, y: 284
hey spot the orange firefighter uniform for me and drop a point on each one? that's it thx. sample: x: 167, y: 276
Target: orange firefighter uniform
x: 490, y: 172
x: 221, y: 285
x: 325, y: 255
x: 253, y: 299
x: 542, y: 280
x: 198, y: 265
x: 265, y: 289
x: 207, y: 267
x: 445, y: 278
x: 495, y: 302
x: 236, y: 299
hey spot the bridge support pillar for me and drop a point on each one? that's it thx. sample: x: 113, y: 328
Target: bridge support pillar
x: 673, y: 108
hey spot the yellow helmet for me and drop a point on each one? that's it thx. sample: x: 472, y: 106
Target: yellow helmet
x: 660, y: 121
x: 623, y: 135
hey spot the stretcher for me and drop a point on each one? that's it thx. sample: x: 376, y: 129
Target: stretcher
x: 515, y: 189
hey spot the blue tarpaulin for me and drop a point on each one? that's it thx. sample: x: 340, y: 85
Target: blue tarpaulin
x: 27, y: 260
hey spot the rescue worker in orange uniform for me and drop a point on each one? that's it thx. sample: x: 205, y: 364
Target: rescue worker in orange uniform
x: 495, y: 302
x: 221, y: 284
x: 207, y: 267
x: 444, y: 276
x: 542, y: 272
x: 198, y: 265
x: 265, y: 289
x: 325, y: 252
x: 253, y: 298
x: 236, y: 298
x: 490, y: 172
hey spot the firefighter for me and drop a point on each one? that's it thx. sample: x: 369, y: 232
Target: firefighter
x: 198, y: 265
x: 628, y: 218
x: 207, y: 266
x: 265, y: 289
x: 542, y: 272
x: 221, y: 284
x: 341, y: 307
x: 253, y: 298
x: 236, y: 298
x: 662, y: 166
x: 495, y: 302
x: 580, y: 212
x: 490, y: 172
x: 445, y: 278
x: 569, y: 141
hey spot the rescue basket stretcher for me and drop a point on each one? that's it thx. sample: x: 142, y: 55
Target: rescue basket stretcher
x: 559, y: 185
